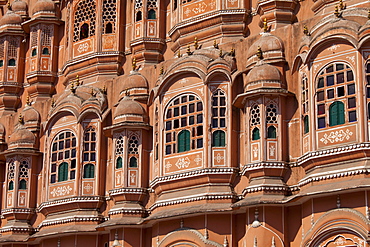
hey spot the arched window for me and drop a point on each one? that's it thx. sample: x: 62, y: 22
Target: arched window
x: 336, y: 113
x: 11, y: 186
x: 89, y: 170
x: 132, y: 162
x: 23, y: 184
x: 255, y: 122
x: 1, y: 63
x: 175, y: 4
x: 335, y: 83
x: 183, y: 141
x: 306, y: 124
x: 119, y: 163
x: 109, y: 15
x: 133, y: 151
x: 34, y: 52
x: 108, y: 28
x: 63, y: 157
x: 152, y: 14
x: 184, y: 112
x: 11, y: 62
x: 84, y: 31
x: 63, y: 172
x: 139, y: 16
x: 271, y: 132
x: 45, y: 51
x: 85, y: 14
x: 218, y: 138
x: 89, y: 153
x: 256, y: 134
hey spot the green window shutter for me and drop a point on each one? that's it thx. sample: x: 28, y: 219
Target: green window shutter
x: 336, y: 113
x: 187, y: 140
x: 119, y: 163
x: 133, y: 162
x: 219, y: 138
x: 23, y: 184
x: 89, y: 171
x: 183, y: 141
x: 11, y: 185
x: 255, y: 134
x: 271, y: 132
x: 63, y: 172
x: 306, y: 124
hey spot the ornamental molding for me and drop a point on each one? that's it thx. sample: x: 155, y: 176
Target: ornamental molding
x: 213, y: 14
x: 336, y: 136
x: 17, y: 211
x: 332, y: 175
x: 16, y: 229
x: 128, y: 191
x: 263, y: 165
x: 126, y: 211
x: 76, y: 199
x: 65, y: 220
x: 333, y: 151
x: 192, y: 199
x: 264, y: 187
x: 206, y: 171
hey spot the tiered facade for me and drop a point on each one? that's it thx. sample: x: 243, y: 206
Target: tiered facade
x: 174, y: 123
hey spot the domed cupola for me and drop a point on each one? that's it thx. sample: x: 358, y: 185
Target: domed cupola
x: 134, y: 85
x: 263, y: 76
x: 22, y: 137
x: 129, y: 110
x: 271, y: 47
x: 20, y: 7
x: 44, y: 8
x: 11, y: 19
x: 31, y: 118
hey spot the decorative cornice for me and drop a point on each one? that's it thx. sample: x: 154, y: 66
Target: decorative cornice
x: 265, y: 187
x: 333, y: 151
x: 126, y: 211
x: 70, y: 200
x: 127, y: 191
x: 65, y: 220
x: 205, y: 171
x: 16, y: 229
x: 17, y: 211
x: 192, y: 199
x: 205, y: 17
x: 263, y: 165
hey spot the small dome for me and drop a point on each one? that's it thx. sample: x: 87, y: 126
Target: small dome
x: 128, y: 106
x: 263, y: 73
x: 30, y: 115
x: 44, y: 6
x: 268, y: 43
x: 22, y: 138
x: 10, y: 18
x: 134, y: 80
x: 19, y: 6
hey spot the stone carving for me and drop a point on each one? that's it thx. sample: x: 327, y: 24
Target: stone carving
x: 61, y: 191
x: 183, y: 163
x: 336, y: 136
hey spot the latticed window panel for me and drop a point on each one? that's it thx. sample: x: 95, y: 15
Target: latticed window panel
x: 138, y: 4
x: 119, y: 145
x: 335, y: 83
x: 109, y: 16
x: 11, y: 171
x: 185, y: 112
x: 133, y: 150
x: 255, y: 115
x: 46, y: 34
x: 13, y: 48
x: 89, y: 153
x: 2, y: 46
x: 63, y: 157
x: 152, y: 4
x: 219, y: 110
x: 271, y: 113
x: 34, y: 36
x: 85, y: 12
x: 23, y: 169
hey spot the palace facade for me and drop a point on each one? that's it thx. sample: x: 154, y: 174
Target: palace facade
x: 185, y: 123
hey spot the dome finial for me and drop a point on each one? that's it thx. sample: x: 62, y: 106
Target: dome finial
x: 134, y: 64
x: 196, y: 45
x: 28, y: 101
x: 20, y: 119
x: 77, y: 80
x: 259, y: 52
x: 265, y: 27
x: 8, y: 5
